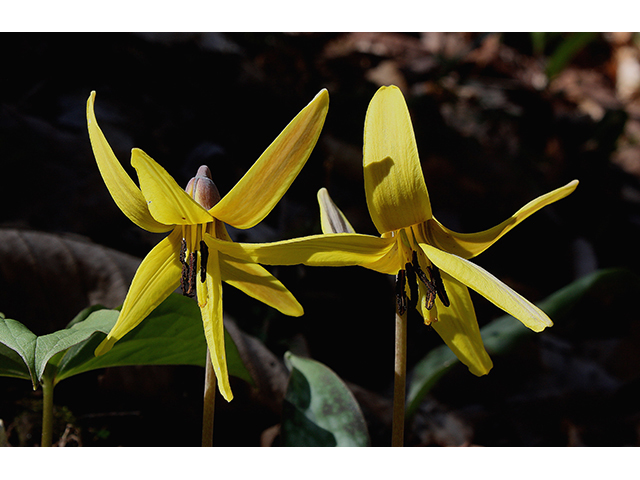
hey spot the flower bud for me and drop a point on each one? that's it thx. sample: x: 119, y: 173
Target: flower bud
x: 202, y: 189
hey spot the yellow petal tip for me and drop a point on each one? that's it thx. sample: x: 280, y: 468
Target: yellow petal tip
x: 539, y: 327
x: 480, y: 371
x: 105, y: 346
x: 324, y: 94
x: 227, y: 396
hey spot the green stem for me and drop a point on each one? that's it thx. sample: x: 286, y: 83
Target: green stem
x: 209, y: 403
x: 47, y: 410
x: 400, y: 381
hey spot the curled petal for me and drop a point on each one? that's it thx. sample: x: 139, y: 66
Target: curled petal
x: 124, y: 191
x: 391, y: 262
x: 157, y: 276
x: 332, y: 220
x: 210, y: 301
x: 168, y: 203
x: 255, y: 195
x: 334, y: 250
x: 468, y: 245
x: 489, y: 287
x: 458, y: 327
x: 394, y: 185
x: 258, y: 283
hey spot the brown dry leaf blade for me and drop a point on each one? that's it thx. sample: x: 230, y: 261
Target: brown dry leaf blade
x: 46, y: 279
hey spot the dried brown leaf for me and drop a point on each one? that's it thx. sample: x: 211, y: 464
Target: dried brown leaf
x: 46, y: 279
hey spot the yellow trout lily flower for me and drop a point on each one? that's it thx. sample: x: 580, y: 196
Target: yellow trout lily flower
x: 186, y: 256
x: 430, y: 261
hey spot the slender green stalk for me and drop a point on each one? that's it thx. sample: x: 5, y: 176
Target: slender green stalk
x: 47, y: 410
x: 400, y: 381
x: 209, y: 403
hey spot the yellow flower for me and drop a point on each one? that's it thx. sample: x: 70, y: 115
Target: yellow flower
x: 186, y: 256
x: 430, y: 261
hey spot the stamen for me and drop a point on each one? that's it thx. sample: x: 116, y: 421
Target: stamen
x: 431, y: 288
x: 204, y: 256
x: 184, y: 276
x: 193, y: 265
x: 430, y: 299
x: 183, y: 251
x: 401, y: 294
x: 188, y: 275
x: 437, y: 280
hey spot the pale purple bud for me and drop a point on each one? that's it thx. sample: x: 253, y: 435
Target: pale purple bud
x: 202, y: 189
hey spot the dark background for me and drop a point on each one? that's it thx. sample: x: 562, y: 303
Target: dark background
x: 493, y: 131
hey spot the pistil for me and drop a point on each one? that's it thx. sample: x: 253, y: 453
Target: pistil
x: 194, y: 252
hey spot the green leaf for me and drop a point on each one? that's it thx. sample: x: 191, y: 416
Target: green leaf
x: 25, y: 355
x: 319, y: 409
x: 568, y: 49
x: 12, y: 364
x: 22, y: 342
x: 537, y: 42
x: 84, y: 314
x: 171, y: 335
x: 503, y: 334
x: 49, y: 345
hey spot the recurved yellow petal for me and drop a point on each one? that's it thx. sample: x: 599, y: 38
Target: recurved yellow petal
x: 489, y: 287
x: 397, y: 196
x: 124, y: 191
x: 255, y: 195
x: 258, y: 283
x: 334, y: 250
x: 168, y: 203
x: 468, y: 245
x: 332, y: 220
x: 157, y: 276
x: 388, y: 264
x: 212, y: 319
x: 458, y: 327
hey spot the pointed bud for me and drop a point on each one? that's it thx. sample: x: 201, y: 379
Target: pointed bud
x: 202, y: 189
x: 332, y: 220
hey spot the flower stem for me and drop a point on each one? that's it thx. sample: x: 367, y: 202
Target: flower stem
x: 400, y: 381
x: 209, y: 403
x: 47, y: 410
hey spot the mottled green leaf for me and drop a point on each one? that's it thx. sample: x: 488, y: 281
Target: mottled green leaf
x: 319, y: 410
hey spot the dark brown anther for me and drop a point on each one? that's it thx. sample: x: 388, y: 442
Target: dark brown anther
x: 193, y: 264
x: 204, y: 256
x: 431, y: 287
x: 183, y: 251
x: 437, y: 280
x: 401, y: 294
x: 430, y: 299
x: 184, y: 276
x: 188, y: 275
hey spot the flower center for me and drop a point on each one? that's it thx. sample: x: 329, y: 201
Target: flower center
x: 194, y: 252
x: 412, y: 276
